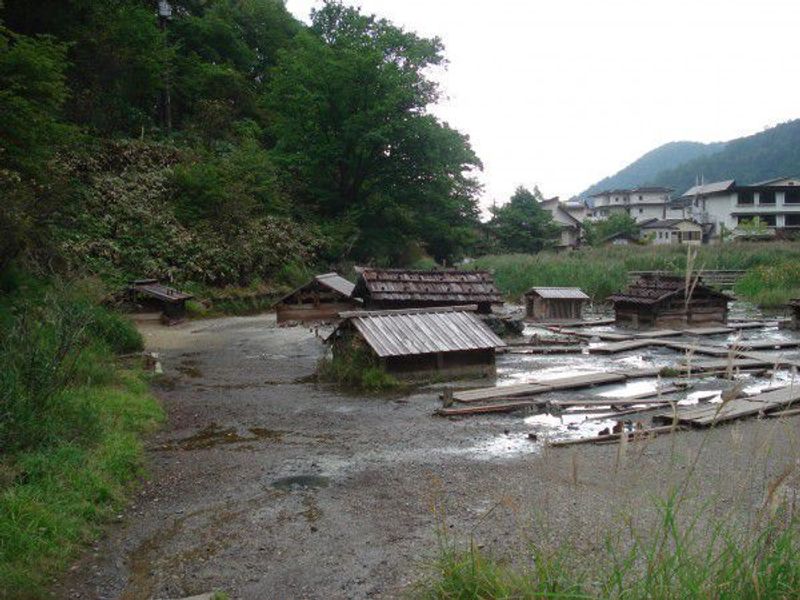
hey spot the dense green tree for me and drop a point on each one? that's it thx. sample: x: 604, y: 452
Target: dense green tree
x: 522, y: 225
x: 32, y: 91
x: 353, y: 137
x: 596, y: 232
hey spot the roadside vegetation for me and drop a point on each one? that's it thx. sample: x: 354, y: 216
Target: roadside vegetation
x: 774, y: 276
x: 72, y: 417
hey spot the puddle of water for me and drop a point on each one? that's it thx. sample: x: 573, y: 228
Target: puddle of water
x: 300, y: 482
x: 213, y: 435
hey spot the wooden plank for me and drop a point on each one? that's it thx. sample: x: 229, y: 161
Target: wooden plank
x: 768, y: 345
x: 497, y: 407
x: 707, y: 330
x: 606, y: 402
x: 568, y: 323
x: 600, y: 335
x: 623, y: 346
x: 659, y: 333
x: 503, y: 391
x: 704, y: 416
x: 780, y: 361
x: 696, y: 348
x: 580, y: 381
x: 702, y: 366
x: 632, y: 436
x: 554, y: 349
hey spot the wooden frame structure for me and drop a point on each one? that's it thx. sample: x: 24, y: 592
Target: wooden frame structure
x: 554, y: 303
x: 321, y: 299
x: 662, y: 300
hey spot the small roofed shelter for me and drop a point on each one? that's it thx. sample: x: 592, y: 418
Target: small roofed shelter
x: 321, y: 299
x: 415, y: 341
x: 554, y: 303
x: 150, y: 293
x: 794, y: 306
x: 391, y: 289
x: 660, y: 300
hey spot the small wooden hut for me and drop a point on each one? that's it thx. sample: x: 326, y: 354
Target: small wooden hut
x: 151, y: 294
x: 554, y: 303
x: 662, y: 300
x: 794, y: 305
x: 416, y: 341
x: 321, y: 299
x: 393, y: 289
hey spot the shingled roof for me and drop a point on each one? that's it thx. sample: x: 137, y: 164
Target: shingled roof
x: 444, y: 286
x: 653, y: 289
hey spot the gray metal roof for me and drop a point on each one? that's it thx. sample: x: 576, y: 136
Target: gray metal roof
x: 422, y: 331
x: 336, y: 282
x: 560, y: 293
x: 711, y: 188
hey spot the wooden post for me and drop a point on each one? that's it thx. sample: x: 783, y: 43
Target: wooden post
x: 447, y: 397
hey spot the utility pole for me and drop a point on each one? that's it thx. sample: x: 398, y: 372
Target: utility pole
x: 164, y: 15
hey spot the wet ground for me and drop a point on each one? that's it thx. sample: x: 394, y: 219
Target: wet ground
x: 266, y: 484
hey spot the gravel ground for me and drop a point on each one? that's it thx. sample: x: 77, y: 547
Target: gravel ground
x: 267, y: 485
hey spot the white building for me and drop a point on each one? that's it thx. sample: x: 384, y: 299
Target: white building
x: 724, y: 205
x: 640, y: 203
x: 563, y: 214
x: 672, y: 231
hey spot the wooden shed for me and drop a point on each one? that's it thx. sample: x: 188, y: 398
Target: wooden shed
x: 152, y: 294
x: 662, y: 300
x: 794, y: 306
x: 321, y: 299
x: 414, y: 341
x: 554, y: 303
x: 405, y: 288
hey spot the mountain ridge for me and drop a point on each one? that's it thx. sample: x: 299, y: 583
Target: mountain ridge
x: 774, y: 152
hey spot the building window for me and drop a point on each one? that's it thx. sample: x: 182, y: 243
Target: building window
x: 745, y: 197
x: 766, y: 197
x: 791, y: 220
x: 792, y: 197
x: 641, y: 210
x: 769, y: 220
x: 640, y: 198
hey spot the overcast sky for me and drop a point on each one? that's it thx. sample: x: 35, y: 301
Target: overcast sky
x: 561, y: 93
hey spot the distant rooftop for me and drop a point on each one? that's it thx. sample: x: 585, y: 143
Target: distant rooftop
x: 636, y: 190
x: 716, y: 187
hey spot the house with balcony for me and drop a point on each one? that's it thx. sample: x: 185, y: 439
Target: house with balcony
x: 640, y: 203
x: 724, y: 205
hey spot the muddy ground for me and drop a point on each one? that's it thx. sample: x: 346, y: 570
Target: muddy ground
x: 266, y: 484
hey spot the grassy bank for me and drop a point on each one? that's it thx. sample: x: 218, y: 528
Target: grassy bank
x: 603, y: 271
x: 72, y: 418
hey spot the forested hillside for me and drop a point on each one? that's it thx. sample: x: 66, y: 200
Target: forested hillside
x: 222, y: 143
x: 649, y: 166
x: 771, y: 153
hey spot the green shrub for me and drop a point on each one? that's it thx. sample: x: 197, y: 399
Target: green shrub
x: 117, y: 331
x: 354, y: 366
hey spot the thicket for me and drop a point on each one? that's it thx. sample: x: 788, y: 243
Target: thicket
x: 70, y: 419
x: 286, y: 143
x: 602, y: 271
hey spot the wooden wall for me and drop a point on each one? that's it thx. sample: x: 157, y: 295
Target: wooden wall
x: 324, y: 311
x: 553, y: 309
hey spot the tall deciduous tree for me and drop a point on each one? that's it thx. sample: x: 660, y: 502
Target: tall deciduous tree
x: 522, y: 225
x: 349, y: 108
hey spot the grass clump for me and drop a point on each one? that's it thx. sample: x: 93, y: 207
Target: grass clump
x: 677, y: 559
x: 771, y: 285
x: 352, y: 365
x: 69, y: 432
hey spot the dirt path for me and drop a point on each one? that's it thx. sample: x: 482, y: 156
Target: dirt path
x: 266, y: 485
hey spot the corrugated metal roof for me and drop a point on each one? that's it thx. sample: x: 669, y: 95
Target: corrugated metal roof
x: 422, y: 331
x: 445, y: 286
x: 665, y: 223
x: 711, y: 188
x: 561, y: 293
x: 336, y: 282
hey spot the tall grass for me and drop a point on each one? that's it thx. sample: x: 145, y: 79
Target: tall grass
x: 70, y: 425
x: 602, y: 271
